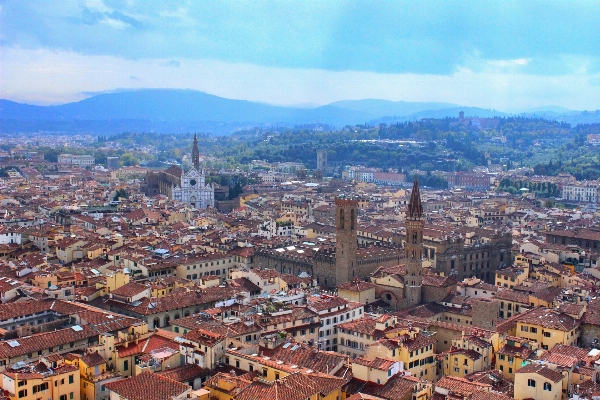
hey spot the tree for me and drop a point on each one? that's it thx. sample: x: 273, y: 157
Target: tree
x: 121, y: 193
x: 128, y: 159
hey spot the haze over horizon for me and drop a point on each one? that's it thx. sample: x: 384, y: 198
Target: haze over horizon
x: 509, y: 56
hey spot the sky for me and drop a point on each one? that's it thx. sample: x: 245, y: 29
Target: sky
x: 507, y: 55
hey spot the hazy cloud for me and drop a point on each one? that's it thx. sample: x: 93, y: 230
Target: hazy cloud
x: 298, y: 51
x: 26, y: 77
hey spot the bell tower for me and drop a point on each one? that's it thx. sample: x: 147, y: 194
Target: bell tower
x: 413, y: 248
x: 195, y: 154
x: 345, y: 239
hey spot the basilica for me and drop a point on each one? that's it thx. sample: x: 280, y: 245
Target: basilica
x: 184, y: 186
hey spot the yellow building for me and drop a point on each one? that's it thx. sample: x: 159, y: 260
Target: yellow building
x: 578, y: 364
x: 513, y: 353
x: 358, y: 291
x: 415, y: 349
x: 548, y: 327
x: 164, y: 286
x: 535, y: 381
x: 377, y: 370
x: 93, y: 375
x: 468, y: 354
x: 115, y: 280
x: 61, y: 382
x: 510, y: 277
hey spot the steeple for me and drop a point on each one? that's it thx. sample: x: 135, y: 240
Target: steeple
x: 413, y: 247
x: 415, y: 208
x: 195, y: 154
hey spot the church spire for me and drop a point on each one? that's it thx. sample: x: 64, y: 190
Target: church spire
x: 415, y: 208
x: 195, y: 154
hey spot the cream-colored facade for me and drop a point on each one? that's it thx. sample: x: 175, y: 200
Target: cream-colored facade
x: 61, y: 384
x: 538, y: 385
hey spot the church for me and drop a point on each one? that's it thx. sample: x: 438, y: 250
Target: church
x: 183, y: 186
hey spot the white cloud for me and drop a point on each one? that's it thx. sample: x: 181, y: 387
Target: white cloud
x: 47, y: 77
x: 519, y: 62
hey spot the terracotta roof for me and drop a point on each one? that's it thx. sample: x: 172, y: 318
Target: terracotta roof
x: 185, y: 373
x: 541, y: 370
x: 296, y: 386
x: 147, y: 386
x: 379, y: 363
x: 438, y: 281
x: 462, y: 386
x: 93, y: 359
x: 548, y: 318
x: 129, y: 289
x: 356, y: 286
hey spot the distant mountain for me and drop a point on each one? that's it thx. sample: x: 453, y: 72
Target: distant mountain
x: 385, y: 108
x: 173, y: 111
x: 164, y: 110
x: 554, y: 109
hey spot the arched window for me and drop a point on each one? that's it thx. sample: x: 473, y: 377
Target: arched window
x: 415, y: 238
x: 352, y: 218
x: 342, y: 218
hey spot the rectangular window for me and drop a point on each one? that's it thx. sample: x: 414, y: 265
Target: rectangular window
x: 530, y: 382
x: 126, y: 365
x: 71, y: 380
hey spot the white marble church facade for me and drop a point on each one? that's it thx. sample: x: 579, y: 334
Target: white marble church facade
x: 194, y: 190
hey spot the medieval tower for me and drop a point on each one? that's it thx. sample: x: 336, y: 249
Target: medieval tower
x: 322, y: 161
x: 345, y: 239
x: 413, y: 247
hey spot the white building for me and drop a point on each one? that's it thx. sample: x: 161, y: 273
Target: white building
x: 194, y: 190
x: 81, y: 160
x: 10, y: 237
x: 583, y: 192
x: 333, y: 310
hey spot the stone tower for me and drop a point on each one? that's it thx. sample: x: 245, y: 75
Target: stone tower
x: 195, y: 154
x: 322, y: 161
x: 345, y: 239
x: 414, y: 248
x: 485, y: 313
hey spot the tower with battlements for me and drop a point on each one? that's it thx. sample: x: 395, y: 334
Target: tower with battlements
x: 345, y: 239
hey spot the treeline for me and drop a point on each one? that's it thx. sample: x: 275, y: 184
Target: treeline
x: 541, y: 189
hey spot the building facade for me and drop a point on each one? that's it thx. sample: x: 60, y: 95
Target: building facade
x: 183, y: 186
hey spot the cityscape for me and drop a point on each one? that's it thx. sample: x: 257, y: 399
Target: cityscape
x: 287, y: 227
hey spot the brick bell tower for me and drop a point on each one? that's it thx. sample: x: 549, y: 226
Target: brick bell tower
x: 195, y: 154
x: 345, y: 239
x: 413, y: 247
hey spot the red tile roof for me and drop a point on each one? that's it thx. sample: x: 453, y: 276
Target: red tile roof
x: 147, y: 386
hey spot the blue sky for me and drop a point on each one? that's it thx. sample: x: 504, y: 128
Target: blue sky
x: 495, y: 54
